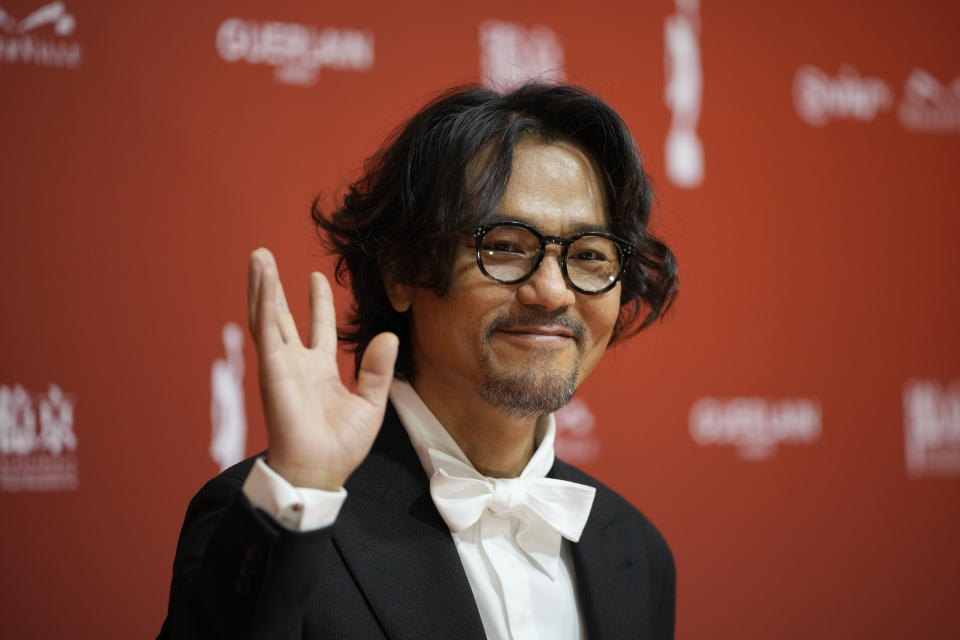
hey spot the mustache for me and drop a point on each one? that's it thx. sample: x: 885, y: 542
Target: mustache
x: 557, y: 318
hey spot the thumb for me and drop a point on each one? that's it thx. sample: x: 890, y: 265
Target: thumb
x: 376, y: 369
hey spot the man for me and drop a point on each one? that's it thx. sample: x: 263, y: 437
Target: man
x: 495, y: 247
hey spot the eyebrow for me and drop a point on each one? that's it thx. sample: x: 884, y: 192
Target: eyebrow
x: 580, y: 227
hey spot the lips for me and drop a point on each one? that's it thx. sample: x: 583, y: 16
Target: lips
x: 542, y: 337
x: 538, y: 327
x: 559, y: 332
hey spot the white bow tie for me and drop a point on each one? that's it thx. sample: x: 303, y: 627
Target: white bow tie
x: 547, y: 508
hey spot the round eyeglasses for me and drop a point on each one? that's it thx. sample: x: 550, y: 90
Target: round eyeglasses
x: 592, y: 262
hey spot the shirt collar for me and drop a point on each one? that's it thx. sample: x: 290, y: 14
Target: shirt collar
x: 426, y: 433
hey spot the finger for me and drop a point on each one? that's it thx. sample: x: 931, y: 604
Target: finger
x: 376, y: 369
x: 288, y: 328
x: 254, y: 276
x: 323, y: 318
x: 283, y: 319
x: 267, y: 336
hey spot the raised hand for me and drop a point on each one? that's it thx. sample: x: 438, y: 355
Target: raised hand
x: 319, y: 431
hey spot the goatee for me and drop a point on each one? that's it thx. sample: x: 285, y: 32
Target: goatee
x: 537, y: 387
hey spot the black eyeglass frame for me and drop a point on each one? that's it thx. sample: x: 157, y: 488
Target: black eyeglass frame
x: 624, y: 248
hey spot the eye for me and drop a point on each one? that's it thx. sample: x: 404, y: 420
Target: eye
x: 502, y: 246
x: 592, y: 255
x: 593, y: 249
x: 509, y: 242
x: 589, y: 255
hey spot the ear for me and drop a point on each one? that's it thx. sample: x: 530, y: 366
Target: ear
x: 399, y: 295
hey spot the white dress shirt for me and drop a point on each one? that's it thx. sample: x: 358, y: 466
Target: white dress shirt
x: 519, y: 597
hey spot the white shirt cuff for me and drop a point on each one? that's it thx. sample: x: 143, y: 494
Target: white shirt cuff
x: 294, y: 508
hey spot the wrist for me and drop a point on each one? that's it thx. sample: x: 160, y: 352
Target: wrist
x: 305, y: 477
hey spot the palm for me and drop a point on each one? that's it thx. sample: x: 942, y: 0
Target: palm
x: 319, y: 430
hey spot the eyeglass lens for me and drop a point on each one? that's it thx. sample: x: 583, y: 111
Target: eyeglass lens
x: 510, y: 254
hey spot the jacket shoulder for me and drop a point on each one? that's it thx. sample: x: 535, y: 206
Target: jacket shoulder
x: 610, y: 506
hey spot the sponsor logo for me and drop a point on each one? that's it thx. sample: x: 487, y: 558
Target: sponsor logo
x: 818, y: 98
x: 228, y: 417
x: 27, y: 41
x: 926, y: 105
x: 576, y: 441
x: 296, y: 52
x: 511, y: 54
x: 755, y: 426
x: 931, y: 428
x: 37, y: 442
x: 929, y: 106
x: 683, y: 94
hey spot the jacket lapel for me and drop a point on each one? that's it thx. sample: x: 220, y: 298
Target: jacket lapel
x: 399, y: 549
x: 612, y: 570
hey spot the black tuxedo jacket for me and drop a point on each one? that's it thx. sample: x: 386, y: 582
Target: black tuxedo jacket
x: 388, y: 567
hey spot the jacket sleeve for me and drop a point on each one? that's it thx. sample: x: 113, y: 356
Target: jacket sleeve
x: 238, y: 574
x: 668, y: 597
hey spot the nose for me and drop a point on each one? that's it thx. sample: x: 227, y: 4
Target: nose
x: 547, y: 288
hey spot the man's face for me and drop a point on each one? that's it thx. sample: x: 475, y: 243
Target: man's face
x: 523, y: 347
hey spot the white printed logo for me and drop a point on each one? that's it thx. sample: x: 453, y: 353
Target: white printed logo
x: 32, y: 459
x: 576, y: 441
x: 511, y: 54
x: 755, y: 425
x: 683, y: 94
x: 931, y: 428
x: 18, y: 44
x: 297, y: 52
x: 228, y: 416
x: 817, y: 97
x: 928, y: 105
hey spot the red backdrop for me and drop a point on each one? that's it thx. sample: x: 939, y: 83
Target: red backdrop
x: 765, y: 426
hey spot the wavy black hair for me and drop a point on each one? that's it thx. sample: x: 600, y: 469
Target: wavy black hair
x: 407, y: 214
